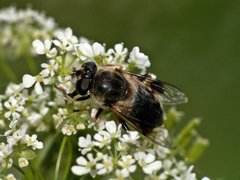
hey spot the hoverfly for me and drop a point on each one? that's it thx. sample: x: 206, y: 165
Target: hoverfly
x: 135, y: 99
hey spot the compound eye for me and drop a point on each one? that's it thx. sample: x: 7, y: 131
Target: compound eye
x: 83, y: 86
x: 90, y: 67
x: 85, y: 83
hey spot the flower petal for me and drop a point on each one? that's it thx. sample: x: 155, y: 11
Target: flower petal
x: 86, y: 49
x: 28, y: 80
x: 111, y: 127
x: 7, y: 105
x: 48, y: 43
x: 97, y: 48
x: 7, y: 114
x: 19, y: 108
x: 38, y: 88
x: 152, y: 167
x: 82, y: 161
x: 80, y: 170
x: 83, y: 142
x: 149, y: 158
x: 39, y: 46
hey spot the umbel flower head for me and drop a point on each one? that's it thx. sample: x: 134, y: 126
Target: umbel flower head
x: 37, y: 123
x: 19, y: 28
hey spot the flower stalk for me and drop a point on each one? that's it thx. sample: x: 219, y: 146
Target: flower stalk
x: 64, y: 141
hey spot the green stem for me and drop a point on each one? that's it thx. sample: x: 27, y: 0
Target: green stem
x: 19, y: 169
x: 60, y: 157
x: 69, y: 161
x: 8, y: 71
x: 36, y: 173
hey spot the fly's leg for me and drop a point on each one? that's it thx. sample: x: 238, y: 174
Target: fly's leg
x: 123, y: 123
x: 70, y: 96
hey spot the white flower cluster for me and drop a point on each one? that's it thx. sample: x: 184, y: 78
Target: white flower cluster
x: 118, y: 155
x: 66, y: 51
x: 16, y: 119
x: 35, y: 106
x: 20, y: 27
x: 77, y: 51
x: 25, y: 109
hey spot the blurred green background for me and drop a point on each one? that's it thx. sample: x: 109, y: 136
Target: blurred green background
x: 194, y: 45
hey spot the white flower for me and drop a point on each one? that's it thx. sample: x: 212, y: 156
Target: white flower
x: 121, y: 175
x: 63, y: 112
x: 99, y: 156
x: 162, y: 152
x: 102, y: 139
x: 10, y: 177
x: 29, y: 80
x: 23, y: 17
x: 112, y: 129
x: 57, y: 120
x: 84, y: 165
x: 16, y: 136
x: 121, y: 146
x: 131, y: 137
x: 119, y: 53
x: 13, y: 89
x: 120, y: 50
x: 13, y: 123
x: 205, y: 178
x: 80, y: 126
x: 66, y: 39
x: 85, y: 144
x: 167, y: 164
x: 140, y: 59
x: 147, y: 162
x: 14, y: 108
x: 5, y: 150
x: 68, y: 130
x: 22, y: 162
x: 181, y: 165
x: 32, y: 141
x: 65, y: 81
x: 187, y: 175
x: 44, y: 48
x: 89, y: 51
x: 60, y: 116
x: 127, y: 164
x: 34, y: 118
x: 106, y: 166
x: 49, y: 68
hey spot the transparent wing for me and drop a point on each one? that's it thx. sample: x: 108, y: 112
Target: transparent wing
x: 168, y: 94
x: 158, y: 135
